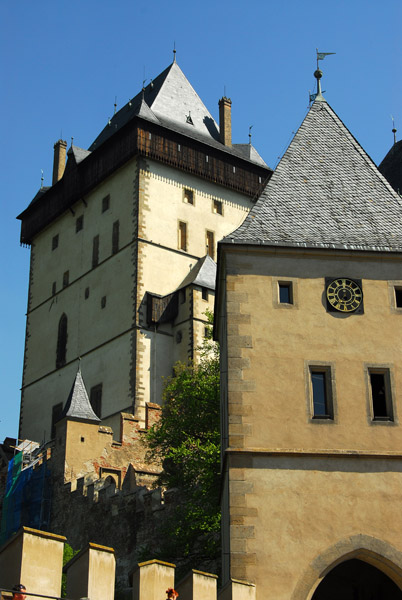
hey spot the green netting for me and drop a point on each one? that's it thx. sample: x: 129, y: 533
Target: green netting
x: 27, y: 498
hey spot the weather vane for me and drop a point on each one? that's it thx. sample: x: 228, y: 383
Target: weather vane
x: 318, y: 74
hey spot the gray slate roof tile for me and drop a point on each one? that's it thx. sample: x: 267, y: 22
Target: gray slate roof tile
x: 203, y: 274
x: 325, y: 192
x: 78, y: 405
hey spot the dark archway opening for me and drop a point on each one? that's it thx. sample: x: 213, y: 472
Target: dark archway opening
x: 357, y: 580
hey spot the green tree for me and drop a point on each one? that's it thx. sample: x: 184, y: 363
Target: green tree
x: 187, y: 440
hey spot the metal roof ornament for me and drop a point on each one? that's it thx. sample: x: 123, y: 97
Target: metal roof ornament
x: 318, y: 74
x: 394, y: 130
x: 174, y: 52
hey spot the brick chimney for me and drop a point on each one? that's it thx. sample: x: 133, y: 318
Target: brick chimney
x: 225, y: 120
x: 59, y: 160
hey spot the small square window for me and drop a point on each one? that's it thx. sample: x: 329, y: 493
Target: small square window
x: 53, y: 288
x: 285, y: 289
x: 321, y: 393
x: 204, y: 294
x: 105, y: 203
x: 380, y: 392
x: 188, y: 196
x: 103, y: 302
x: 398, y: 297
x: 217, y: 207
x: 66, y: 277
x: 79, y: 223
x: 55, y: 242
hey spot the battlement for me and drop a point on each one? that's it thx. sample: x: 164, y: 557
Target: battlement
x: 35, y: 558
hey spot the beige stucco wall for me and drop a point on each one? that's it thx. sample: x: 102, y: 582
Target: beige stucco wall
x: 301, y: 494
x: 34, y: 558
x: 287, y: 511
x: 113, y: 350
x: 276, y: 343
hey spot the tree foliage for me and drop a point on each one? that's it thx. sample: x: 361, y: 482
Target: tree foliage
x: 187, y: 441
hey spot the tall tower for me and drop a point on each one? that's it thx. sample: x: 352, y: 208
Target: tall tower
x: 112, y: 241
x: 309, y: 320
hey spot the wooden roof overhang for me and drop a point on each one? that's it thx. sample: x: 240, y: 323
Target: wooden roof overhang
x: 143, y: 138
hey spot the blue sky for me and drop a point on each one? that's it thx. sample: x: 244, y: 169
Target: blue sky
x: 63, y: 64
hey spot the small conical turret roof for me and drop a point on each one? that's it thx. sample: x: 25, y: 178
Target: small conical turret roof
x: 78, y: 405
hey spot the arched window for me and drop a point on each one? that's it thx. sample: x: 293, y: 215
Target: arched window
x: 61, y: 349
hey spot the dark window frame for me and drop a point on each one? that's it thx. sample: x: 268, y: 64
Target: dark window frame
x: 95, y: 399
x: 188, y: 196
x: 95, y: 251
x: 62, y: 337
x: 115, y: 237
x: 79, y: 223
x: 285, y: 292
x: 321, y: 392
x: 66, y: 278
x: 380, y: 394
x: 182, y: 236
x: 55, y: 241
x: 105, y: 203
x: 210, y: 248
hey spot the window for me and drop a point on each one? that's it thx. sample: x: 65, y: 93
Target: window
x: 179, y: 337
x: 55, y: 242
x: 210, y: 244
x: 79, y: 224
x: 115, y: 237
x: 66, y: 277
x: 57, y: 410
x: 321, y: 393
x: 204, y: 294
x: 188, y: 196
x: 105, y: 203
x: 61, y: 349
x: 206, y: 332
x: 86, y: 293
x: 380, y: 392
x: 285, y: 289
x: 53, y: 288
x: 182, y: 235
x: 95, y: 399
x: 217, y: 207
x: 103, y: 302
x: 182, y: 295
x: 95, y: 251
x: 398, y: 297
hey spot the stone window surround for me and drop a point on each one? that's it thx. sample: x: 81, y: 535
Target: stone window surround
x: 329, y: 369
x: 276, y: 281
x: 387, y: 370
x: 392, y: 285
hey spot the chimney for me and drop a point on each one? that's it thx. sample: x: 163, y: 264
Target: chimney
x: 59, y: 161
x: 225, y: 120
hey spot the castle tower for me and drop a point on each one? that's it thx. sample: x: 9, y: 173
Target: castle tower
x: 309, y: 319
x: 124, y: 223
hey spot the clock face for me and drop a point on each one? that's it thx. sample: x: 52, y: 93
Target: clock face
x: 344, y: 295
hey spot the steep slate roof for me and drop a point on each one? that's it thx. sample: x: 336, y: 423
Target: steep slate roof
x: 78, y: 153
x: 203, y: 274
x: 391, y: 166
x: 78, y: 405
x: 325, y: 192
x: 168, y: 100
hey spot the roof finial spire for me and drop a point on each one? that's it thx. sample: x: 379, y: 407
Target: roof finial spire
x: 318, y: 75
x: 41, y: 179
x: 394, y: 130
x: 174, y: 51
x: 115, y: 104
x: 249, y: 134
